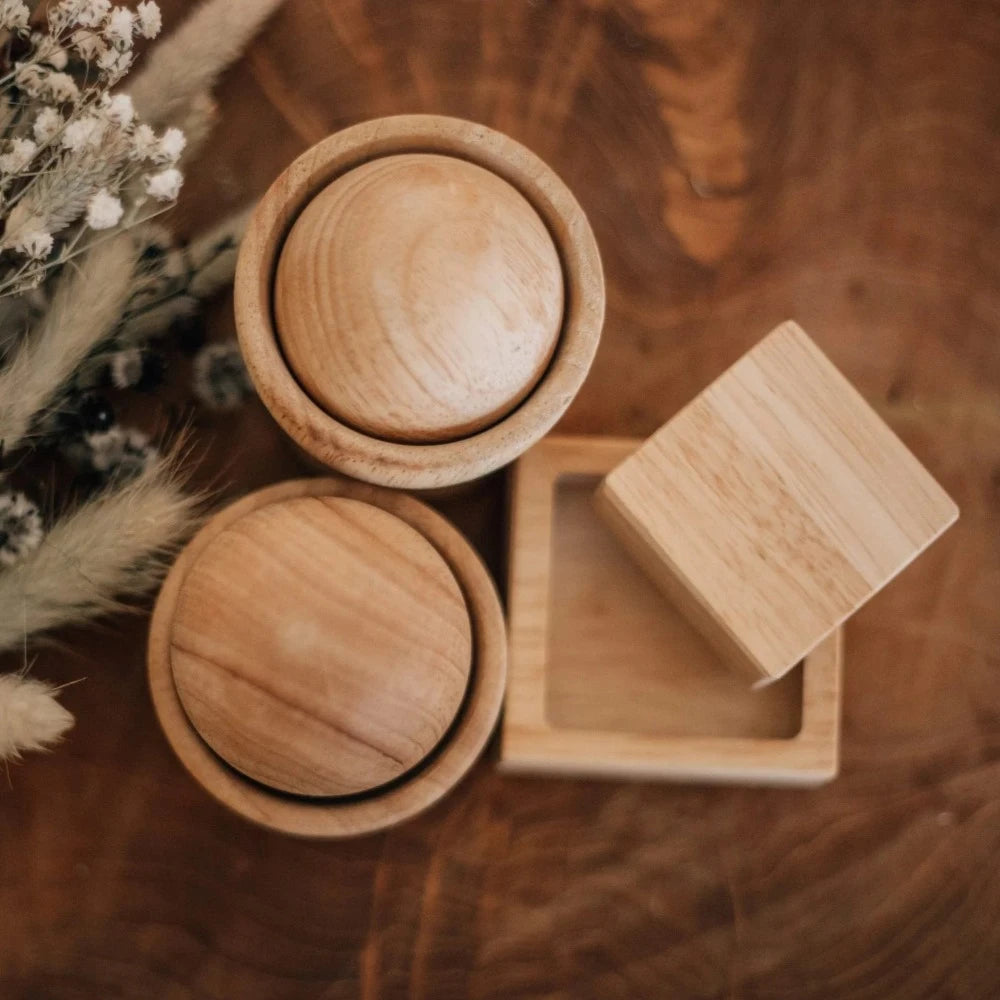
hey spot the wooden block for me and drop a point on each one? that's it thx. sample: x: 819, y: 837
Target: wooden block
x: 774, y: 505
x: 606, y: 678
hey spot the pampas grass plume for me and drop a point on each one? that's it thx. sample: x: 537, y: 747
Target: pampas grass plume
x: 30, y: 716
x: 184, y: 66
x: 115, y: 546
x: 86, y: 306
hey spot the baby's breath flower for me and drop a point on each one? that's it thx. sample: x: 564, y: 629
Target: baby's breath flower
x: 62, y: 87
x: 30, y: 78
x: 104, y: 210
x: 47, y: 125
x: 88, y: 44
x: 150, y: 21
x: 119, y: 27
x: 119, y: 109
x: 83, y: 132
x: 61, y: 15
x: 13, y: 15
x: 18, y: 156
x: 90, y: 13
x: 164, y: 186
x: 114, y: 64
x: 144, y: 143
x: 170, y: 146
x: 35, y: 243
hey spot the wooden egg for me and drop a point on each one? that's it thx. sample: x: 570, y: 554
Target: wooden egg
x: 327, y: 657
x: 418, y: 300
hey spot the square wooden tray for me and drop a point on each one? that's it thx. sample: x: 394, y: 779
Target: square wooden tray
x: 606, y: 678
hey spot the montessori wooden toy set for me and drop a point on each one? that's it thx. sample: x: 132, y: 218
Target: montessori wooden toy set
x: 418, y: 300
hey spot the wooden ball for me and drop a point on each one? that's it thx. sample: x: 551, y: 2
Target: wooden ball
x: 321, y: 646
x: 419, y: 298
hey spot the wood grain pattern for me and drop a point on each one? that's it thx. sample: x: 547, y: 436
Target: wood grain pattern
x: 321, y: 646
x: 400, y: 463
x: 741, y: 162
x: 329, y: 750
x: 620, y: 659
x: 774, y: 504
x: 419, y: 298
x: 608, y: 678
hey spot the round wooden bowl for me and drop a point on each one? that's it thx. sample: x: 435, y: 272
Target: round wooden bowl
x: 327, y: 658
x: 418, y: 300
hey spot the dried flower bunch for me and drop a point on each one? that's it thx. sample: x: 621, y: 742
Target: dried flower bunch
x: 75, y: 158
x: 94, y: 299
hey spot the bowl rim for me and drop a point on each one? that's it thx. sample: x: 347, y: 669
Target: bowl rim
x: 392, y: 804
x: 402, y: 464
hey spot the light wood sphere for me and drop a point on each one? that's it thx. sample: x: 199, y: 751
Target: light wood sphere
x: 419, y: 298
x: 321, y: 646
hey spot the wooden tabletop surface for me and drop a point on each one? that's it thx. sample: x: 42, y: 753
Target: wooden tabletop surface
x: 742, y: 163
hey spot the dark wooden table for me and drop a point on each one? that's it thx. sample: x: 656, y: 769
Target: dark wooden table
x: 742, y: 163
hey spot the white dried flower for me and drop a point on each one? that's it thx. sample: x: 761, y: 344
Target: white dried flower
x: 47, y: 125
x: 13, y: 15
x: 170, y: 146
x: 62, y: 15
x: 104, y: 210
x: 35, y: 243
x: 114, y: 64
x: 150, y: 21
x: 164, y: 186
x: 82, y: 133
x: 61, y: 87
x: 119, y: 27
x: 30, y: 78
x: 49, y: 51
x: 90, y: 13
x: 88, y: 44
x: 20, y: 154
x: 20, y: 528
x: 144, y: 143
x: 119, y: 109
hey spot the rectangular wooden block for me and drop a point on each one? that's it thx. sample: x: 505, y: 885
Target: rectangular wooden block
x: 774, y: 505
x: 607, y: 678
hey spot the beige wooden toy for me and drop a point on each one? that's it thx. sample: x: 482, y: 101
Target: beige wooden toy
x: 608, y: 678
x: 774, y: 505
x: 419, y: 297
x: 418, y: 300
x: 327, y: 658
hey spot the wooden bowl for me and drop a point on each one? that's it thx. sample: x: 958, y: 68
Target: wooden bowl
x: 327, y: 658
x: 418, y: 300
